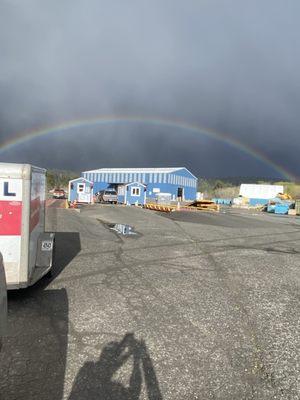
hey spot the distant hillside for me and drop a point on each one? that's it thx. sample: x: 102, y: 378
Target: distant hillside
x: 60, y: 178
x: 228, y: 188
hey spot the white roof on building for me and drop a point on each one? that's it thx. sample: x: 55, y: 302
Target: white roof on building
x: 134, y: 170
x: 253, y: 191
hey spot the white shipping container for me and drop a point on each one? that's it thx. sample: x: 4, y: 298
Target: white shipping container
x: 255, y: 191
x: 3, y: 302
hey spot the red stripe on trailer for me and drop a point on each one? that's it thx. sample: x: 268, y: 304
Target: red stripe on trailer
x: 10, y: 217
x: 35, y: 209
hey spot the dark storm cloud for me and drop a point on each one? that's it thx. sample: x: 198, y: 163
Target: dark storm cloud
x: 228, y: 65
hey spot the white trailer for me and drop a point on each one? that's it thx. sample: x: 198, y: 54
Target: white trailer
x: 3, y: 302
x: 26, y: 248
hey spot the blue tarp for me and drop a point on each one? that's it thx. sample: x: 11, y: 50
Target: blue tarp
x: 258, y: 202
x: 225, y: 202
x: 282, y: 208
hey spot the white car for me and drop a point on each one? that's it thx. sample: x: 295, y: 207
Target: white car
x: 3, y: 301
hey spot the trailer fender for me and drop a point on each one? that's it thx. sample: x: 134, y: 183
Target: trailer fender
x: 45, y: 250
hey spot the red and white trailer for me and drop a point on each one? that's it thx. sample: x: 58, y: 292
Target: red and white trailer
x: 26, y: 248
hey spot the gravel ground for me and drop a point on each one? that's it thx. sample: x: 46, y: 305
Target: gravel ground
x: 193, y: 306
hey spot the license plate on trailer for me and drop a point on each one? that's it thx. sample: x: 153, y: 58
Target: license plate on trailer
x: 47, y: 245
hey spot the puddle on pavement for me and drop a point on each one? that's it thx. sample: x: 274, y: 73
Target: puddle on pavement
x: 122, y: 229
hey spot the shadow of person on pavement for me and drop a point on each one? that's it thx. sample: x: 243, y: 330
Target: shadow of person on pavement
x: 95, y: 379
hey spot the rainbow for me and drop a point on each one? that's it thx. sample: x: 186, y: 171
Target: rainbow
x: 161, y: 122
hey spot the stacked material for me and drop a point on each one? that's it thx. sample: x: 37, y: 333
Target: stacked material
x: 284, y: 196
x: 198, y: 205
x: 159, y: 207
x: 204, y: 205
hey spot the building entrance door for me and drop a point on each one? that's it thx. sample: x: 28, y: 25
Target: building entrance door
x: 180, y: 194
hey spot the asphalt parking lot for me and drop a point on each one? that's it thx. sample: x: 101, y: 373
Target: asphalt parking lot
x: 193, y: 306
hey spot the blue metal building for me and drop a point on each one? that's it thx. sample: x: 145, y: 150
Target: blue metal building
x: 177, y: 181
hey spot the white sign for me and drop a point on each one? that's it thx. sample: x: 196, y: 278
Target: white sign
x: 121, y: 190
x: 47, y: 245
x: 156, y: 190
x: 84, y: 197
x: 10, y: 189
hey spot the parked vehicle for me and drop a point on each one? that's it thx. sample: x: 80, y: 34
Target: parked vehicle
x: 59, y: 194
x: 26, y: 248
x: 107, y: 196
x: 3, y: 301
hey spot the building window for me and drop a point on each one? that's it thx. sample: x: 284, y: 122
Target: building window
x: 135, y: 191
x: 80, y: 187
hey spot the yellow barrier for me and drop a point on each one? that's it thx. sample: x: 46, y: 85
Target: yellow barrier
x: 169, y: 208
x: 159, y: 207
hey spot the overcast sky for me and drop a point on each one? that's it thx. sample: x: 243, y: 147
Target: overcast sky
x: 228, y: 65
